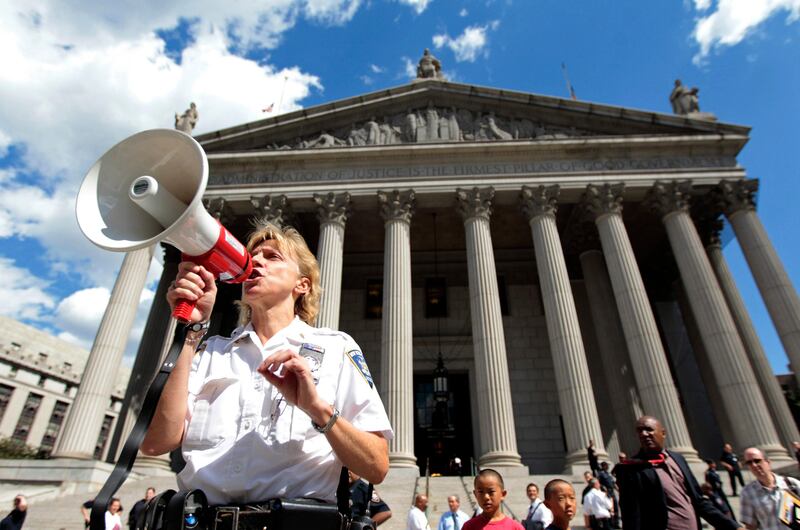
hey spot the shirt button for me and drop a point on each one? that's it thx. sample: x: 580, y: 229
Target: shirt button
x: 247, y: 424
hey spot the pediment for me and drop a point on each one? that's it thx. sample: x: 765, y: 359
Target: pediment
x: 433, y: 111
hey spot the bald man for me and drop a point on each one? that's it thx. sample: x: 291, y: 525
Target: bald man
x: 417, y: 520
x: 657, y: 490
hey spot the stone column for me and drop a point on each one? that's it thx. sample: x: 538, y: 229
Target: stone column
x: 575, y: 394
x: 779, y: 410
x: 741, y: 396
x: 773, y: 282
x: 397, y: 370
x: 650, y: 365
x: 273, y: 208
x: 85, y: 417
x: 624, y: 396
x: 332, y: 212
x: 496, y: 418
x: 156, y: 339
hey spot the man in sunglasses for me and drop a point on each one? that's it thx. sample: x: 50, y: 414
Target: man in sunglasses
x: 761, y: 498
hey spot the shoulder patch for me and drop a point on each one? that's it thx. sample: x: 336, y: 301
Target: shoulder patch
x: 375, y: 497
x: 357, y: 358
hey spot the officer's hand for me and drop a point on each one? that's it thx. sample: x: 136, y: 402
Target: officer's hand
x: 292, y: 376
x: 196, y: 284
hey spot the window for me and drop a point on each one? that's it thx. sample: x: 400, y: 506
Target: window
x: 5, y: 397
x: 435, y: 297
x: 503, y: 294
x: 373, y: 308
x: 103, y: 438
x: 26, y: 418
x: 53, y: 428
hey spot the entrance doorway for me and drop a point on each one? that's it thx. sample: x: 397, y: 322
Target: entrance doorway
x: 442, y: 431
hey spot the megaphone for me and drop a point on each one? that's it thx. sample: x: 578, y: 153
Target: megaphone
x: 149, y: 188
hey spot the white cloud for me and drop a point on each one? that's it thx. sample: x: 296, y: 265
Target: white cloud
x: 732, y: 20
x: 78, y: 317
x: 23, y: 295
x: 376, y: 69
x: 463, y: 12
x: 409, y: 68
x: 367, y: 80
x: 470, y: 44
x: 332, y: 11
x: 418, y: 5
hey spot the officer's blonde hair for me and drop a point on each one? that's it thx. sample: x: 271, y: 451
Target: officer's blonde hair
x: 288, y: 240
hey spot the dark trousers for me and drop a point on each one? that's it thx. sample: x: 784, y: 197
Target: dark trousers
x: 736, y: 473
x: 599, y: 524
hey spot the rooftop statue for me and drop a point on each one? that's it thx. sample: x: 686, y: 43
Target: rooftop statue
x: 429, y: 67
x: 684, y: 100
x: 186, y: 121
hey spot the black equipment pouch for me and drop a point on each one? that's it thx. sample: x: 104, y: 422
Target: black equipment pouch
x: 152, y: 517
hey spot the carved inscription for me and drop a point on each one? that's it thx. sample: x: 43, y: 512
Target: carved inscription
x: 466, y: 170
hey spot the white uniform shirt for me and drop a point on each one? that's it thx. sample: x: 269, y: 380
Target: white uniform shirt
x: 243, y: 442
x: 417, y: 520
x: 540, y: 513
x: 597, y: 503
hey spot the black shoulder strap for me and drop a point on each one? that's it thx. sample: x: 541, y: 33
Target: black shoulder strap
x: 131, y: 448
x: 342, y: 493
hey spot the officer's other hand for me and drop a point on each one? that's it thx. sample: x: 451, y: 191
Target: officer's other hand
x: 291, y: 375
x: 195, y: 284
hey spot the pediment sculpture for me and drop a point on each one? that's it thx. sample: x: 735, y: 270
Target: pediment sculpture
x: 431, y: 124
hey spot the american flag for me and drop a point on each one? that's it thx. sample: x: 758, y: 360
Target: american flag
x: 268, y: 109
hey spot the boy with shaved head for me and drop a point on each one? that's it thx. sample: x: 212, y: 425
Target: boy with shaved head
x: 490, y: 491
x: 657, y: 490
x: 559, y: 497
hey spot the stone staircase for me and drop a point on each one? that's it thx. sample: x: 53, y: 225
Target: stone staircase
x: 398, y: 490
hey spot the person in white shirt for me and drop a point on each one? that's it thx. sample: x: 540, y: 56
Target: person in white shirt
x: 454, y: 518
x: 539, y: 516
x: 597, y: 508
x: 113, y: 519
x: 275, y: 410
x: 417, y: 520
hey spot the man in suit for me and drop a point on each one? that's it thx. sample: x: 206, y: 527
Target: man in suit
x: 657, y: 488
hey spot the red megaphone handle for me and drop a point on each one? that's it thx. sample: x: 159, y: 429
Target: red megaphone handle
x: 183, y: 310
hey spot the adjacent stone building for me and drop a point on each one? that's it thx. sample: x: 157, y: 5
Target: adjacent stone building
x: 556, y: 263
x: 39, y: 377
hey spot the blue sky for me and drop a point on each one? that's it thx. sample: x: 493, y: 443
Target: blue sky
x: 77, y: 76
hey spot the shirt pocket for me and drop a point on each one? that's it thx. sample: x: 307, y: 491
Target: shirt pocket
x: 211, y: 420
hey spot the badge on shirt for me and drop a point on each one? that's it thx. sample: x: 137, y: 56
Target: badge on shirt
x: 375, y: 497
x: 313, y: 354
x: 358, y: 360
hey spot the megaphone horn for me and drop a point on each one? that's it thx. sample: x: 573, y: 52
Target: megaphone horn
x: 149, y: 188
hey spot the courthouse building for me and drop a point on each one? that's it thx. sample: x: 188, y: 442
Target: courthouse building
x: 556, y: 264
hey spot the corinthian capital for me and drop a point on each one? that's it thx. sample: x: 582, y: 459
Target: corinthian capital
x: 603, y: 200
x: 397, y: 205
x: 737, y: 195
x: 272, y: 208
x: 219, y: 209
x: 541, y: 200
x: 332, y: 208
x: 668, y: 197
x: 476, y: 202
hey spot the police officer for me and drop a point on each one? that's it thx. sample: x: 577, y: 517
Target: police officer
x: 275, y: 410
x: 361, y: 498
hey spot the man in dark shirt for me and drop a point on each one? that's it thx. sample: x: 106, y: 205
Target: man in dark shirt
x: 591, y: 454
x: 360, y: 498
x: 731, y: 464
x: 713, y: 478
x: 657, y: 490
x: 15, y: 518
x: 139, y: 508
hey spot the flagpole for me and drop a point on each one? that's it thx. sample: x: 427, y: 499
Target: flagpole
x: 280, y: 103
x: 569, y: 85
